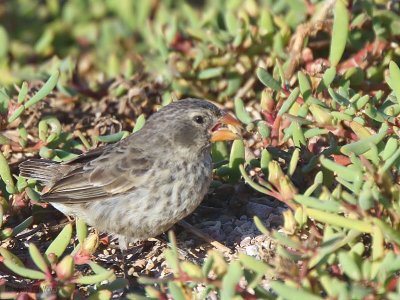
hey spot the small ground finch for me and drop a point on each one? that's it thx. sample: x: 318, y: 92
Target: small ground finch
x: 139, y: 187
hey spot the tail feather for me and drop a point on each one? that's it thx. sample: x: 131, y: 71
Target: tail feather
x: 43, y: 170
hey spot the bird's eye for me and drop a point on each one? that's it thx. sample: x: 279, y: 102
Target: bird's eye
x: 198, y: 119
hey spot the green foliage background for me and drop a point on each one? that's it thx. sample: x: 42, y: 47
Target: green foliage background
x: 316, y: 84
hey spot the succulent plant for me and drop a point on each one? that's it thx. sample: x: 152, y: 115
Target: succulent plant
x: 315, y: 85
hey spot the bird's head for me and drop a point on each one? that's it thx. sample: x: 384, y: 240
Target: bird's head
x: 194, y: 124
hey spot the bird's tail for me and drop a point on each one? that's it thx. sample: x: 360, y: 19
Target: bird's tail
x: 43, y: 170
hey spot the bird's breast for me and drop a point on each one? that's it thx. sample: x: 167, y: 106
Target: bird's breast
x: 182, y: 188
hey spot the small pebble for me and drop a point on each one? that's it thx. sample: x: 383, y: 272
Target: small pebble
x: 259, y: 210
x: 252, y: 250
x: 245, y: 242
x: 275, y: 220
x: 227, y: 228
x: 150, y: 265
x: 131, y: 271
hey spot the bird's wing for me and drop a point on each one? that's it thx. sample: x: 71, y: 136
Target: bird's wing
x: 117, y: 170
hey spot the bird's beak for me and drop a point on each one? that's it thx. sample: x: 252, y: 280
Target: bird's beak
x: 225, y: 134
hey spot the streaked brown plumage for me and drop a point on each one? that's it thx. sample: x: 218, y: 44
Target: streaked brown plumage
x: 141, y: 186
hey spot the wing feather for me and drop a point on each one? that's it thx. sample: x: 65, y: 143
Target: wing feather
x: 115, y: 171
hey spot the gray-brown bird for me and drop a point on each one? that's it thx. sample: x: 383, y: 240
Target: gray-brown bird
x: 139, y: 187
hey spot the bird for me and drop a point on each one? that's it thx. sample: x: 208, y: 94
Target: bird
x: 139, y: 187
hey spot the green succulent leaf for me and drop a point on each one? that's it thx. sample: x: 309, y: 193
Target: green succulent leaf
x: 40, y: 95
x: 394, y: 79
x: 7, y: 255
x: 230, y: 280
x: 305, y: 85
x: 93, y: 279
x: 289, y: 101
x: 236, y: 159
x: 22, y: 226
x: 176, y: 291
x: 140, y: 121
x: 5, y: 173
x: 112, y: 138
x: 327, y: 79
x: 37, y: 258
x: 23, y: 271
x: 81, y: 230
x: 241, y: 112
x: 101, y: 295
x: 336, y: 220
x: 349, y: 265
x: 61, y: 242
x: 292, y: 293
x: 340, y: 32
x: 267, y: 79
x: 23, y: 92
x: 210, y: 73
